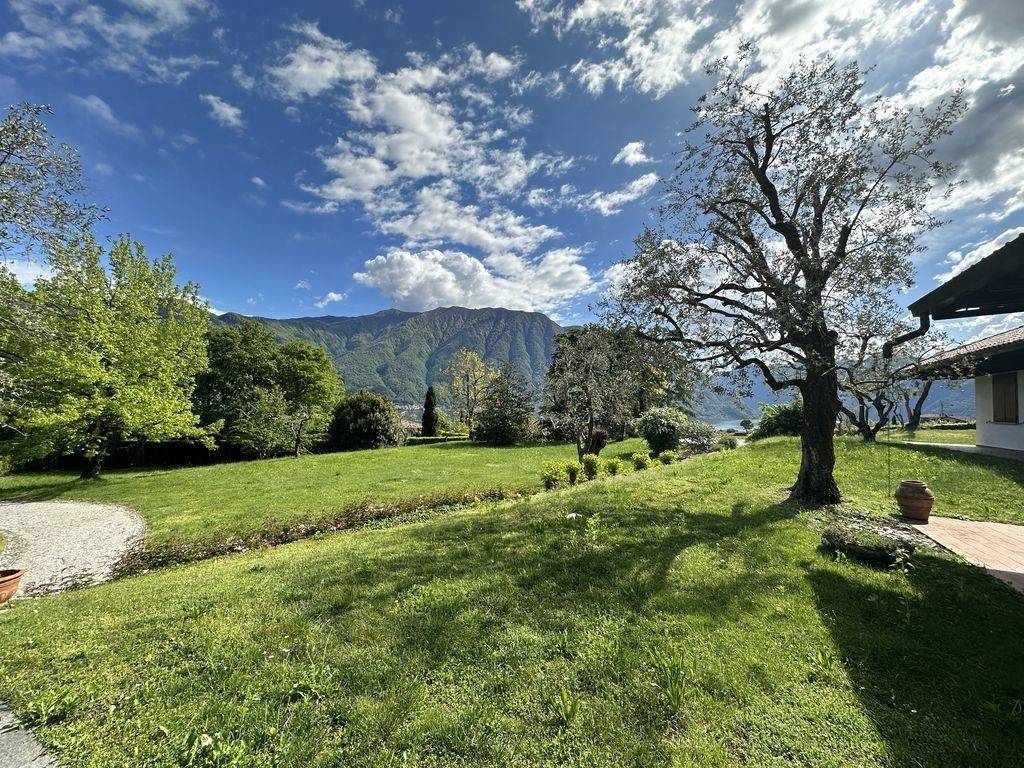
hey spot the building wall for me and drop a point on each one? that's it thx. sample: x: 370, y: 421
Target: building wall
x: 992, y: 434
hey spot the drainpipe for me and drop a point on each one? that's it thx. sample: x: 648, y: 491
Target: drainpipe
x: 926, y: 323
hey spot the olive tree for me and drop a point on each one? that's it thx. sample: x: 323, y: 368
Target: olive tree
x: 796, y: 205
x: 583, y: 388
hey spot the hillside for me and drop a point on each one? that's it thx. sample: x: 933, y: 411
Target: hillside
x: 400, y: 353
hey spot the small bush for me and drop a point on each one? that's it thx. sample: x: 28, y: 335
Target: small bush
x: 552, y: 474
x: 662, y: 428
x: 866, y: 546
x: 781, y: 419
x: 728, y: 442
x: 572, y: 471
x: 640, y: 461
x: 698, y: 436
x: 365, y: 420
x: 667, y: 457
x: 591, y: 466
x: 613, y: 466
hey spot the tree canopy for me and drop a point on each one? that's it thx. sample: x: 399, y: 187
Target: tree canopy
x: 794, y: 211
x: 110, y: 353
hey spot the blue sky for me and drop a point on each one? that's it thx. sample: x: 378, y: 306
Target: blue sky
x: 343, y: 157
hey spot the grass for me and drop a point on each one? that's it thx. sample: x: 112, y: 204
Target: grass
x: 197, y: 511
x: 681, y: 616
x: 954, y: 436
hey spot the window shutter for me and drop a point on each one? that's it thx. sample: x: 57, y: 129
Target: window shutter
x: 1004, y: 398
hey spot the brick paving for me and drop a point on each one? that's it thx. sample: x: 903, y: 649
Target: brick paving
x: 996, y: 547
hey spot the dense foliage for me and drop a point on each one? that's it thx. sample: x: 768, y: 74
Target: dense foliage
x: 265, y: 398
x: 506, y: 409
x: 662, y: 428
x: 364, y: 420
x: 781, y: 419
x: 698, y: 435
x: 107, y: 353
x: 430, y: 422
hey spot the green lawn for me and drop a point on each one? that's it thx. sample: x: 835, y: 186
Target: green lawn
x: 683, y: 616
x: 955, y: 436
x: 195, y: 511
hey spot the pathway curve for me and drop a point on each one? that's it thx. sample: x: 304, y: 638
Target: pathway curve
x: 61, y: 544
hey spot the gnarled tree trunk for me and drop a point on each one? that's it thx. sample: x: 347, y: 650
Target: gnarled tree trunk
x: 816, y: 483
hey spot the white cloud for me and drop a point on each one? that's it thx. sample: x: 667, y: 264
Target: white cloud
x: 245, y: 81
x: 223, y: 113
x: 632, y: 154
x: 139, y: 39
x: 259, y: 182
x: 958, y: 261
x: 317, y: 63
x: 419, y: 280
x: 436, y: 217
x: 302, y: 285
x: 26, y: 272
x: 99, y: 111
x: 329, y: 298
x: 609, y: 203
x: 103, y: 169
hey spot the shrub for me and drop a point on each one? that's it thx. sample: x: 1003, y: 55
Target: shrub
x: 781, y: 419
x: 698, y: 436
x: 591, y: 466
x: 667, y: 457
x: 553, y: 474
x: 364, y: 420
x: 662, y: 428
x: 613, y: 466
x: 728, y: 442
x: 640, y: 461
x: 572, y: 471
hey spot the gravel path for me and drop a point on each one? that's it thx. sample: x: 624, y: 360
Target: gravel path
x: 65, y: 543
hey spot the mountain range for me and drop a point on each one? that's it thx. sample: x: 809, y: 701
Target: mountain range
x: 399, y: 354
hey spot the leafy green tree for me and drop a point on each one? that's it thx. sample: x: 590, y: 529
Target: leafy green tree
x: 112, y: 354
x: 583, y: 386
x: 310, y: 386
x: 259, y: 427
x: 431, y: 417
x: 467, y: 376
x: 506, y: 408
x: 365, y: 420
x: 242, y: 360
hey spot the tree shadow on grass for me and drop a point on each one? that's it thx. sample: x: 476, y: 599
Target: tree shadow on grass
x: 54, y: 488
x: 939, y: 667
x: 497, y: 574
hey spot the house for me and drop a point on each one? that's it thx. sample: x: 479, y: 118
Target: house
x: 993, y: 286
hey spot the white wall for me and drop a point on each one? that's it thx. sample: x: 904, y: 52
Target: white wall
x: 992, y: 434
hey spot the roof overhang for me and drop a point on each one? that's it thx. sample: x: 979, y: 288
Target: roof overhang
x: 993, y: 286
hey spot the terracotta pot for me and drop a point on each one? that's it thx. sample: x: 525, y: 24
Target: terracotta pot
x: 9, y: 579
x: 915, y: 499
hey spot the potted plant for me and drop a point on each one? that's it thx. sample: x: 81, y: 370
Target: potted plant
x: 9, y: 580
